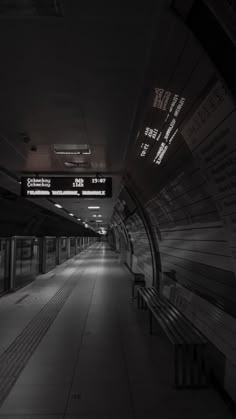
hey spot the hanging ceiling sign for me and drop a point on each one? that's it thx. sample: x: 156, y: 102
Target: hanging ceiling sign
x: 66, y: 187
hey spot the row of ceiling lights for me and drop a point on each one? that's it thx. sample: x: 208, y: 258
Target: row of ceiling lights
x: 96, y: 215
x: 79, y: 219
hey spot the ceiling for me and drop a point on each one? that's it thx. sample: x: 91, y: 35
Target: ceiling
x: 74, y: 77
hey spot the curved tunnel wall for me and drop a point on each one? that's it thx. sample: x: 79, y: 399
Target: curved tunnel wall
x: 129, y: 229
x: 189, y: 193
x: 141, y: 257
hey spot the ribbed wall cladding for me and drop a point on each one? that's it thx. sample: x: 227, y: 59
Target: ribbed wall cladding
x: 189, y: 196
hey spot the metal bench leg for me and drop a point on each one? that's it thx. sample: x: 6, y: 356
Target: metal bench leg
x: 133, y: 291
x: 200, y: 366
x: 150, y: 322
x: 176, y: 380
x: 138, y: 299
x: 186, y: 352
x: 179, y: 372
x: 142, y: 303
x: 204, y: 376
x: 193, y: 365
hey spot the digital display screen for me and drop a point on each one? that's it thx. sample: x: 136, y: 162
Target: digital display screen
x: 66, y: 187
x: 161, y: 124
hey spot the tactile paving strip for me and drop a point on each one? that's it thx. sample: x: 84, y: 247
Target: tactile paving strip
x: 16, y: 356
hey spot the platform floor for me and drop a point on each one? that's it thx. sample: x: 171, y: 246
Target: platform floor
x: 96, y: 359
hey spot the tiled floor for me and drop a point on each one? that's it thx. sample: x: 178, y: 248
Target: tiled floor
x: 97, y: 359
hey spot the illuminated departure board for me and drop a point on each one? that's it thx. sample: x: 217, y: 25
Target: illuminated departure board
x: 66, y: 187
x: 160, y: 126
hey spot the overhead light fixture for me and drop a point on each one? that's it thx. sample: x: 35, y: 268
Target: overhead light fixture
x: 94, y: 215
x: 78, y: 164
x: 99, y: 221
x: 57, y: 205
x: 79, y: 219
x: 72, y: 215
x: 93, y: 208
x: 73, y: 149
x: 99, y: 215
x: 86, y: 225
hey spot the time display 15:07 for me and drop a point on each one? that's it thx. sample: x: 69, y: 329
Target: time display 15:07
x: 98, y: 180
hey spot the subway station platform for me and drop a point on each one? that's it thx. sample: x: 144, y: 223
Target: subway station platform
x: 74, y: 345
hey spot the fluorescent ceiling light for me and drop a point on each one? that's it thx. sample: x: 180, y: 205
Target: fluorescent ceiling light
x: 94, y: 215
x: 71, y: 149
x: 68, y: 152
x: 98, y: 221
x: 57, y: 205
x: 79, y: 219
x: 72, y: 215
x: 93, y: 207
x: 99, y: 215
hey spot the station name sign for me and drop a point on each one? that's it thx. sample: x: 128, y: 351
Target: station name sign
x: 66, y: 187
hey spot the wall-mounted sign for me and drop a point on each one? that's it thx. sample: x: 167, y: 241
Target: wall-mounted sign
x: 161, y: 126
x: 66, y: 187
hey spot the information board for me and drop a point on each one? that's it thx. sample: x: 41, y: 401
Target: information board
x: 66, y: 187
x: 161, y: 123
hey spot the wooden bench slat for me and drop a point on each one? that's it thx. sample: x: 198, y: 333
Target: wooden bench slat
x: 173, y: 335
x: 182, y: 323
x: 170, y: 311
x: 169, y: 330
x: 153, y: 306
x: 189, y: 344
x: 184, y: 331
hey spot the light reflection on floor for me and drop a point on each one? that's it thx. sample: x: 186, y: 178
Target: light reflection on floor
x: 97, y: 360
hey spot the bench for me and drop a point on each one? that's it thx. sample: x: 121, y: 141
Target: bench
x: 138, y: 280
x: 189, y: 345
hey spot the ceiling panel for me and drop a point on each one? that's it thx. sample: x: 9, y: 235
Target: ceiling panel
x: 74, y: 80
x: 30, y: 8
